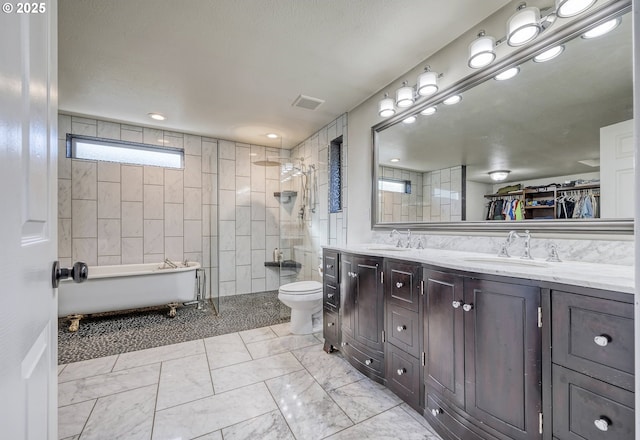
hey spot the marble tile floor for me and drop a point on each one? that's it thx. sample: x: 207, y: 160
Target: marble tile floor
x: 258, y: 384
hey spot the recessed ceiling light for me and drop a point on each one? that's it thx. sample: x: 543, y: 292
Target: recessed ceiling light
x: 272, y: 136
x: 507, y: 74
x: 452, y: 100
x: 394, y: 160
x: 548, y: 54
x: 157, y: 116
x: 428, y: 111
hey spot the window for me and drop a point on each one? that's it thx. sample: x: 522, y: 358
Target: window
x: 93, y: 148
x: 395, y: 185
x: 335, y: 175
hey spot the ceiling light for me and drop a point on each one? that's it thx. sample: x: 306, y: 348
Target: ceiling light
x: 428, y: 111
x: 272, y: 136
x: 569, y: 8
x: 507, y: 74
x: 523, y: 26
x: 405, y: 96
x: 548, y: 54
x: 394, y: 160
x: 427, y: 82
x: 385, y: 107
x: 452, y: 100
x: 481, y: 51
x: 157, y: 116
x: 499, y: 175
x: 602, y: 29
x: 409, y: 120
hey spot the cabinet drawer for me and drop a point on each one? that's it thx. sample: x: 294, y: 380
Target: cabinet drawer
x: 403, y: 375
x: 403, y: 329
x: 404, y: 285
x: 331, y: 296
x: 331, y: 324
x: 330, y: 266
x: 448, y: 424
x: 371, y: 364
x: 594, y: 336
x: 586, y: 408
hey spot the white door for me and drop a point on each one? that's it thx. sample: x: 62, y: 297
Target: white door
x: 28, y: 225
x: 617, y: 181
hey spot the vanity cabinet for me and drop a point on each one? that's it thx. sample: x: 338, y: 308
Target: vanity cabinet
x: 592, y: 365
x: 403, y: 292
x: 483, y: 351
x: 331, y: 300
x: 362, y: 313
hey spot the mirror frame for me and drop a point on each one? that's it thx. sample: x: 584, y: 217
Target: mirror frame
x: 577, y: 226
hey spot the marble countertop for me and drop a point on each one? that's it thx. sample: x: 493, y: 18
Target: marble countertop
x: 599, y: 276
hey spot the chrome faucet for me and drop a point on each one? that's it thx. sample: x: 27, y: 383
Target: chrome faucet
x: 170, y: 263
x: 504, y: 248
x: 399, y: 243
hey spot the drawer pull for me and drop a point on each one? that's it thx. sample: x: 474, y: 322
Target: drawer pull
x: 401, y: 328
x: 435, y: 412
x: 602, y: 423
x: 401, y: 371
x: 602, y: 340
x: 399, y: 284
x: 467, y: 307
x: 456, y: 304
x: 368, y: 362
x: 330, y: 324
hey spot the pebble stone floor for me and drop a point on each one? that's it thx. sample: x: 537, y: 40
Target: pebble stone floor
x: 261, y: 384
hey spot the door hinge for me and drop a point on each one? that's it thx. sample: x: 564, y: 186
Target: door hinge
x: 540, y: 423
x: 423, y: 359
x: 381, y: 277
x: 421, y: 287
x: 383, y: 336
x: 540, y: 317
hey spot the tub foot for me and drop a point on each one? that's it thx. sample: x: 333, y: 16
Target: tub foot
x: 172, y: 309
x: 75, y: 322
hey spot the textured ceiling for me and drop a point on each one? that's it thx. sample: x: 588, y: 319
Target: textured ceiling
x: 231, y: 68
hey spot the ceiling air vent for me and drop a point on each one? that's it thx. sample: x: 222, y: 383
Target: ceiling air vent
x: 307, y: 102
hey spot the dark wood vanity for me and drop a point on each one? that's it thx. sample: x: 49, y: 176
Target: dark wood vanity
x: 485, y: 356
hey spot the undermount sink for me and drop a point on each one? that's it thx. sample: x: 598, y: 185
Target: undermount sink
x: 386, y: 247
x: 500, y: 261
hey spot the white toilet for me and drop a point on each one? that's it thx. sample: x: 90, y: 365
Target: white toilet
x: 305, y: 300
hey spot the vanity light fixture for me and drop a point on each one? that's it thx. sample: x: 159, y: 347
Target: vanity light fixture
x: 602, y: 29
x: 570, y: 8
x: 429, y: 111
x: 409, y: 119
x: 452, y: 100
x: 507, y: 74
x: 405, y: 96
x: 499, y: 175
x: 385, y: 107
x: 427, y: 82
x: 548, y: 54
x: 523, y: 26
x: 157, y: 116
x: 481, y: 51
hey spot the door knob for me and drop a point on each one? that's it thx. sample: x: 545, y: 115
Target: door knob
x: 79, y: 272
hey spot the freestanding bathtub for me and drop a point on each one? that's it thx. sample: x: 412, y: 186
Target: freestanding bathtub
x: 130, y: 286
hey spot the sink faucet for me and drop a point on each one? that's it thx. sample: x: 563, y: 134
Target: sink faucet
x: 399, y: 243
x: 504, y: 248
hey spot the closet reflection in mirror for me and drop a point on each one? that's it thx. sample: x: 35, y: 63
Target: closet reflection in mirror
x: 563, y: 129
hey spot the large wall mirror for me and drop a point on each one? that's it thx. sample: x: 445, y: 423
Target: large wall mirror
x: 561, y: 131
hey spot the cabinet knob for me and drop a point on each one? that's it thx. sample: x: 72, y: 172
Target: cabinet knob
x: 368, y: 362
x: 343, y: 344
x: 602, y: 340
x: 401, y: 328
x: 401, y: 371
x: 602, y: 423
x: 456, y: 304
x: 330, y: 295
x: 330, y: 324
x: 399, y: 284
x: 467, y: 307
x: 435, y: 412
x: 329, y: 266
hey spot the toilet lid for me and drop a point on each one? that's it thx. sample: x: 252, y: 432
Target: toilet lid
x: 301, y: 287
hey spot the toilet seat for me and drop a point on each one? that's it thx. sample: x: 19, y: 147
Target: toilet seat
x: 301, y: 288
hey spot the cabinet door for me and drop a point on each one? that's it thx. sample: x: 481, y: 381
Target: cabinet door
x: 503, y: 351
x: 369, y: 303
x: 443, y: 338
x: 348, y: 295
